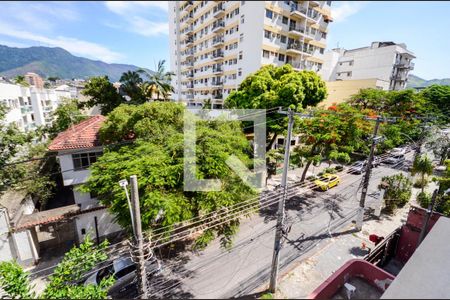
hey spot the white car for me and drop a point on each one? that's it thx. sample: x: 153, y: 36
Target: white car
x: 395, y: 159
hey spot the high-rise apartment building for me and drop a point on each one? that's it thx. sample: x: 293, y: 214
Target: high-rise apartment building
x: 387, y: 62
x: 214, y: 45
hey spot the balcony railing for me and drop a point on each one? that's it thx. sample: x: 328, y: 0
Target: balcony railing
x: 25, y: 110
x: 217, y: 82
x: 189, y: 40
x: 218, y: 97
x: 190, y: 85
x: 297, y: 28
x: 189, y: 96
x: 313, y: 14
x: 299, y: 47
x: 218, y: 10
x: 218, y: 25
x: 217, y: 41
x: 190, y: 74
x: 217, y: 55
x: 217, y: 69
x: 298, y: 9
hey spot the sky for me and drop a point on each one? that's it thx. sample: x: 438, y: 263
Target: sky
x: 136, y: 32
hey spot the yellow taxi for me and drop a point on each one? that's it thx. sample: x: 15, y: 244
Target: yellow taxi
x: 327, y: 181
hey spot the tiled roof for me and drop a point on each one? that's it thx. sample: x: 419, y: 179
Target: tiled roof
x: 82, y: 135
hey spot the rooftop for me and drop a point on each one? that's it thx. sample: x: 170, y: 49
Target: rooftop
x: 80, y: 136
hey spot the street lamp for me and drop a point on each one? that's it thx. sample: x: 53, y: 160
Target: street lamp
x: 124, y: 183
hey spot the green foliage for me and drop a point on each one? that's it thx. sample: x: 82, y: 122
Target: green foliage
x: 267, y: 296
x: 424, y: 199
x: 63, y: 283
x: 20, y: 79
x: 158, y: 85
x: 439, y: 97
x: 157, y: 158
x: 398, y: 191
x: 102, y: 93
x: 131, y: 85
x: 15, y: 281
x: 422, y: 165
x: 66, y: 114
x: 282, y: 86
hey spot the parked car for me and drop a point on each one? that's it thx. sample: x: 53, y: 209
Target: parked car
x: 395, y: 159
x: 124, y: 271
x: 328, y: 181
x: 358, y: 167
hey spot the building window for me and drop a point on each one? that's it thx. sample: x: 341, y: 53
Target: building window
x: 350, y: 63
x: 267, y: 34
x: 265, y: 53
x: 349, y: 74
x: 241, y: 37
x: 269, y: 13
x: 281, y: 57
x: 84, y: 160
x: 321, y: 50
x: 283, y: 39
x: 240, y: 54
x: 284, y: 20
x: 242, y: 19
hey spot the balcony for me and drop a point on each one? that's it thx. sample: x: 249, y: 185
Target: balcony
x: 189, y: 41
x: 189, y: 3
x: 314, y: 3
x: 298, y: 48
x: 189, y: 64
x: 217, y: 83
x: 217, y: 55
x: 190, y: 17
x: 297, y: 30
x: 217, y: 69
x: 219, y: 26
x: 218, y: 11
x: 314, y: 15
x: 190, y: 74
x: 218, y: 97
x: 189, y: 53
x: 190, y: 85
x: 298, y: 11
x: 217, y: 42
x: 399, y: 77
x: 48, y: 108
x: 190, y: 97
x: 405, y: 65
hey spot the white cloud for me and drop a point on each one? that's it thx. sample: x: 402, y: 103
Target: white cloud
x: 73, y: 45
x: 344, y: 9
x: 141, y: 17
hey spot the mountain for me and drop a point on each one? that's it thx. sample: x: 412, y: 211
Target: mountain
x: 55, y: 62
x: 416, y: 81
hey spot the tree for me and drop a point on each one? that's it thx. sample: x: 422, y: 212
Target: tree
x: 156, y: 156
x: 272, y: 87
x: 438, y: 141
x: 53, y: 79
x: 132, y: 86
x: 331, y: 135
x: 398, y: 191
x: 438, y: 96
x: 11, y: 142
x: 66, y: 114
x: 102, y: 93
x: 158, y: 83
x: 64, y: 282
x: 422, y: 165
x: 20, y: 79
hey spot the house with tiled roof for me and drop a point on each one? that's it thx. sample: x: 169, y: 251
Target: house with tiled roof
x: 77, y: 148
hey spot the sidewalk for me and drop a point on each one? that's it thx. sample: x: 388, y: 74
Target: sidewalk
x: 309, y: 273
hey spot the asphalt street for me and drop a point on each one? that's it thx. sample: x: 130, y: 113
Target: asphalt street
x: 314, y: 216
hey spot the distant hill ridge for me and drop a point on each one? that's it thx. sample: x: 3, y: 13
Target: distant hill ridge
x: 56, y: 62
x: 416, y: 81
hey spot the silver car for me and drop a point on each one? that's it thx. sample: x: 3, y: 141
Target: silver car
x: 359, y: 167
x: 395, y: 159
x: 124, y: 271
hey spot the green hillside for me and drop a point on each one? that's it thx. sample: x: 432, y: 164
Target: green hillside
x: 415, y: 81
x: 55, y: 62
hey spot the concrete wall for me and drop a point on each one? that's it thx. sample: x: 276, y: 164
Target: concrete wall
x: 86, y: 224
x: 6, y: 248
x: 70, y: 176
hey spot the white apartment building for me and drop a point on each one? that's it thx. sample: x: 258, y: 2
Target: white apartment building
x: 385, y: 61
x: 214, y: 45
x: 28, y: 107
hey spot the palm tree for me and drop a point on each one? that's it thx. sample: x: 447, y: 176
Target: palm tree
x: 131, y: 85
x: 19, y: 79
x: 423, y: 166
x: 158, y: 82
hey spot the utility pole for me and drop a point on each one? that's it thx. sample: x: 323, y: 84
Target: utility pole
x: 280, y: 219
x: 427, y: 217
x: 138, y: 240
x: 360, y: 217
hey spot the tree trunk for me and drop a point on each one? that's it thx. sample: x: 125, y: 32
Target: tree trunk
x: 269, y: 146
x: 423, y: 183
x: 305, y: 170
x: 443, y: 156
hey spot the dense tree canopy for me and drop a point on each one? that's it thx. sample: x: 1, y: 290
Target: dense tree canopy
x: 63, y: 282
x: 439, y: 97
x: 271, y: 87
x: 102, y: 93
x: 156, y: 157
x: 66, y: 115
